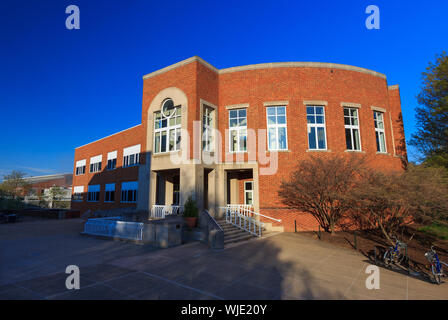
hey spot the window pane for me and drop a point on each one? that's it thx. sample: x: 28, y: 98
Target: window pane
x: 347, y: 121
x: 319, y: 110
x: 319, y: 119
x: 311, y: 119
x: 249, y: 196
x: 248, y: 186
x: 232, y: 114
x: 157, y: 143
x: 282, y: 138
x: 377, y: 141
x: 281, y: 120
x: 243, y: 140
x: 233, y: 123
x: 312, y: 138
x: 356, y: 139
x: 382, y: 142
x: 178, y: 139
x: 321, y: 138
x: 163, y: 142
x: 272, y: 139
x: 281, y: 111
x: 271, y: 111
x: 242, y: 113
x: 172, y: 139
x: 348, y: 139
x: 346, y: 112
x: 271, y: 120
x: 242, y: 122
x: 309, y: 110
x: 233, y: 140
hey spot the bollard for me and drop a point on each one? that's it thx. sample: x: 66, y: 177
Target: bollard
x: 295, y: 225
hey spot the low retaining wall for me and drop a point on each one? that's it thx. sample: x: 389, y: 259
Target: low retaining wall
x: 161, y: 233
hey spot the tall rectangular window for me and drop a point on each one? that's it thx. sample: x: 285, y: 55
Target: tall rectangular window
x: 351, y: 123
x: 109, y: 195
x: 112, y: 160
x: 238, y: 130
x: 95, y: 163
x: 129, y: 191
x: 80, y: 167
x: 131, y: 156
x: 249, y: 192
x: 93, y: 193
x: 317, y: 139
x: 378, y: 119
x: 167, y: 131
x: 207, y: 129
x: 78, y: 192
x: 277, y: 133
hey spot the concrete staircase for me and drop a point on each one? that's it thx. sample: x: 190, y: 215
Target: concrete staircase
x: 233, y: 234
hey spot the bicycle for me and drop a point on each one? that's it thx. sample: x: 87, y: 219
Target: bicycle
x: 395, y: 254
x: 436, y: 265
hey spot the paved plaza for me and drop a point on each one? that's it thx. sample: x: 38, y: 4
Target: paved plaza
x: 34, y: 256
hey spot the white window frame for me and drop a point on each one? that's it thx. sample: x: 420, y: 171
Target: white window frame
x: 208, y: 140
x: 95, y: 163
x: 248, y: 191
x: 80, y: 164
x: 276, y: 127
x: 238, y: 129
x: 160, y: 130
x: 352, y: 127
x: 132, y: 152
x: 93, y: 188
x: 378, y: 130
x: 127, y: 186
x: 109, y: 187
x: 316, y: 125
x: 111, y: 156
x: 78, y: 192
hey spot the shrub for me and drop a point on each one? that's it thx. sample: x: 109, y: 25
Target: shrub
x: 190, y: 208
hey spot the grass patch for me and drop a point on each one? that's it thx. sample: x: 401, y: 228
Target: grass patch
x: 436, y: 229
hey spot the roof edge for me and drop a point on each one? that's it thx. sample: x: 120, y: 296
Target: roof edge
x: 108, y: 136
x: 265, y: 66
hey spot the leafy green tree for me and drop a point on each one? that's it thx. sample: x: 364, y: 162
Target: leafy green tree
x: 431, y: 138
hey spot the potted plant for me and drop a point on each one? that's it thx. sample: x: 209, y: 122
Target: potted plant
x: 190, y: 212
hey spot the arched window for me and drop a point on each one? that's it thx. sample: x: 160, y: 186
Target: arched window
x: 167, y: 125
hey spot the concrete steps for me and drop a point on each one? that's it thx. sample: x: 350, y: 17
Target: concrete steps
x: 233, y: 234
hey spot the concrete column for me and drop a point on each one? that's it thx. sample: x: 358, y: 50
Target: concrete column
x: 211, y: 195
x: 234, y: 191
x: 168, y: 192
x: 152, y: 189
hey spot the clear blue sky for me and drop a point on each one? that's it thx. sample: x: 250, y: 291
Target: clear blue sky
x: 61, y: 88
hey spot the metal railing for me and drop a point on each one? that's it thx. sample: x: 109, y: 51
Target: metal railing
x: 114, y: 227
x: 161, y: 211
x: 243, y: 217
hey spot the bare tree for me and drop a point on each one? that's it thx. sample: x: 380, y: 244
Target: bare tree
x: 14, y: 185
x: 390, y: 200
x: 318, y: 187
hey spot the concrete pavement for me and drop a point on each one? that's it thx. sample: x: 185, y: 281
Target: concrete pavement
x: 284, y: 266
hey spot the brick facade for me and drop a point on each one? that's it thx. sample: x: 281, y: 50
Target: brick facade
x: 255, y: 86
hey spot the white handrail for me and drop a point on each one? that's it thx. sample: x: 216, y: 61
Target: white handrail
x: 243, y: 221
x: 161, y: 211
x: 244, y: 210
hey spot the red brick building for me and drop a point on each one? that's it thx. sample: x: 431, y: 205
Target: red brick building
x: 230, y: 136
